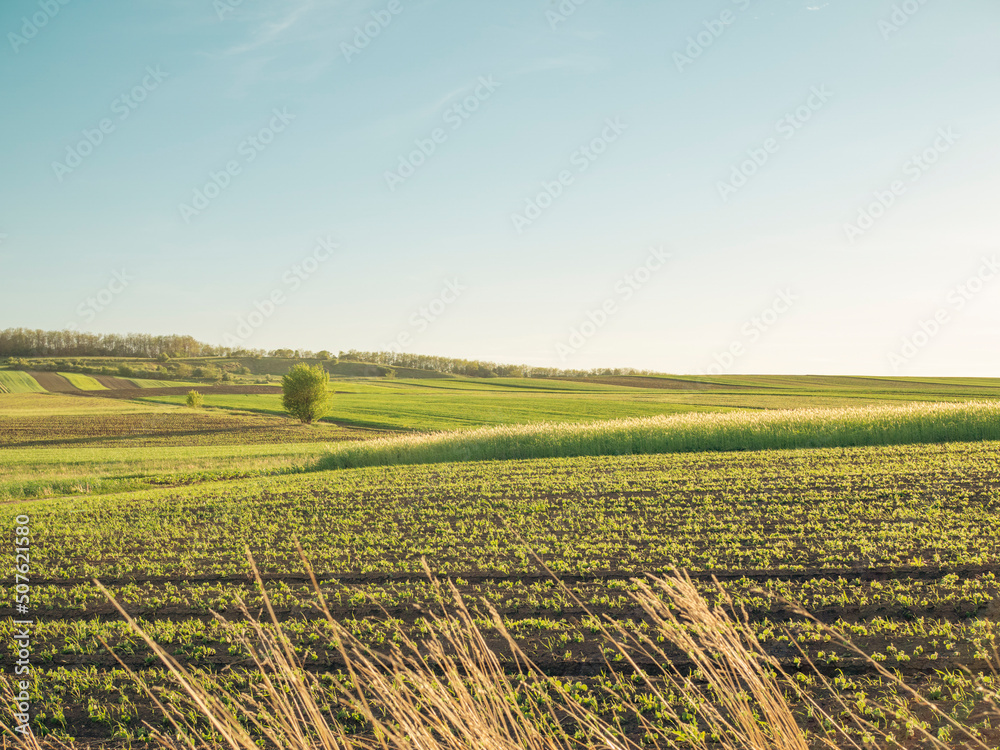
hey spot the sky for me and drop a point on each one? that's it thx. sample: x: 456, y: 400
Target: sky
x: 724, y: 186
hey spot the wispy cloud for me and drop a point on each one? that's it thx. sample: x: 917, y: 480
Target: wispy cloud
x: 271, y: 30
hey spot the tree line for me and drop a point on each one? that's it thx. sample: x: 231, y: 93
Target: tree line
x: 475, y: 368
x: 25, y: 342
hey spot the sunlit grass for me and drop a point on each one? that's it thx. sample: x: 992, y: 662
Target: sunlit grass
x: 27, y: 473
x: 735, y: 431
x: 12, y: 381
x: 83, y: 382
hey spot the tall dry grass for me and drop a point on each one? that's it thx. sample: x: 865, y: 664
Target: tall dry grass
x: 453, y: 691
x: 730, y: 431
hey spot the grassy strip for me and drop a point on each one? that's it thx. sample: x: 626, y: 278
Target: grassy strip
x: 801, y: 428
x: 29, y: 473
x: 83, y: 382
x: 12, y: 381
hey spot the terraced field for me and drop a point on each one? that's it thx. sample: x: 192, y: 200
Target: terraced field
x: 12, y: 381
x: 83, y: 382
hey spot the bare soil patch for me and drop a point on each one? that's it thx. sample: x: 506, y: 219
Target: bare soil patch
x: 136, y: 392
x: 110, y: 381
x: 54, y: 383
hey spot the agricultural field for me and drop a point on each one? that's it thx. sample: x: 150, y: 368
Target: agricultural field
x: 895, y: 545
x: 456, y: 403
x: 83, y: 382
x: 18, y: 382
x: 64, y: 445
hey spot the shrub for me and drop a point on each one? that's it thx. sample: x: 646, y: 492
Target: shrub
x: 195, y: 399
x: 306, y: 392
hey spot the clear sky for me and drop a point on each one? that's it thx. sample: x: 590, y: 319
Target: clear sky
x: 770, y: 186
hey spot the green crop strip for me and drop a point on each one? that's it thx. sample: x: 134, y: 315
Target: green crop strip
x: 802, y: 428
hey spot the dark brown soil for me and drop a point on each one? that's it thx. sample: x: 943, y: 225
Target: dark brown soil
x: 109, y: 381
x: 135, y: 392
x: 54, y: 383
x: 187, y: 428
x: 862, y: 574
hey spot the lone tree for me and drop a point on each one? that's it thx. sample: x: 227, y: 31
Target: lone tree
x: 306, y: 392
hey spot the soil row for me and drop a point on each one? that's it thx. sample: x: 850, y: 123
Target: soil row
x: 182, y: 390
x: 861, y: 573
x: 105, y: 611
x: 595, y: 667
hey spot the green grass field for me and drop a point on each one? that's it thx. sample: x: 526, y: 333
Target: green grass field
x: 12, y: 381
x: 83, y: 382
x: 896, y: 542
x: 454, y: 403
x: 406, y: 407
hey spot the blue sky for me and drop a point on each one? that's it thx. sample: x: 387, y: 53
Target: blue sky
x: 783, y: 186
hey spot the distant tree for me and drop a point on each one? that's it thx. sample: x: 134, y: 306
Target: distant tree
x: 306, y: 392
x: 207, y: 372
x: 195, y: 399
x: 324, y: 355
